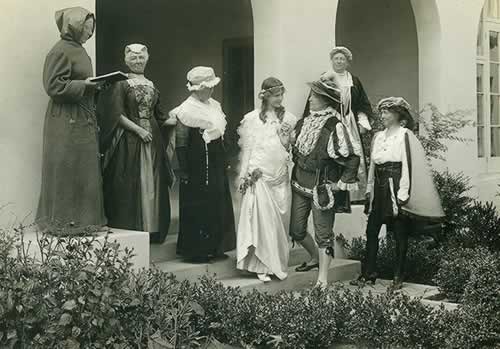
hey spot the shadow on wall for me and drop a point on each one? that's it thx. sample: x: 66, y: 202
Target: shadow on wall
x: 382, y: 36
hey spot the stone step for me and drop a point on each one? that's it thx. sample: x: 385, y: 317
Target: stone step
x: 220, y: 268
x: 166, y: 251
x: 340, y: 269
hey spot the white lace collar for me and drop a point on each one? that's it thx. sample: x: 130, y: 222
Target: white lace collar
x: 327, y: 111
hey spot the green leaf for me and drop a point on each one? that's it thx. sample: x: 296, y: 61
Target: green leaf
x: 198, y: 309
x: 76, y: 331
x: 65, y: 319
x: 71, y: 343
x: 69, y: 305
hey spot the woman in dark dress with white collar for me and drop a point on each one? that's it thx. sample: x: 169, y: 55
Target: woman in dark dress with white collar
x: 207, y: 227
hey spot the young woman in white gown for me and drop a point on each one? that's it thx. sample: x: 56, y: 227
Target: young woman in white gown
x: 265, y: 136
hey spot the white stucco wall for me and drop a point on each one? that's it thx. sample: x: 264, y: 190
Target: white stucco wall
x: 456, y: 81
x: 292, y: 42
x: 28, y: 32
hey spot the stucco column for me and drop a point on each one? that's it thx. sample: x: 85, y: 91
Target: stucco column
x: 292, y: 42
x: 453, y: 76
x: 429, y: 52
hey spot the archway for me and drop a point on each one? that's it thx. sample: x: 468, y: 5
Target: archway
x: 382, y: 35
x: 182, y: 34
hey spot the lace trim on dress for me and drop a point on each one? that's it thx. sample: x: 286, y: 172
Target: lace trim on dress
x: 311, y: 129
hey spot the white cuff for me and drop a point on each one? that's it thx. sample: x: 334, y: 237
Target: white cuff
x: 347, y: 186
x: 363, y: 121
x: 403, y: 196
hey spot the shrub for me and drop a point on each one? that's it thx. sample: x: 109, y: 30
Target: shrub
x: 422, y: 258
x: 439, y: 129
x: 83, y: 294
x: 459, y: 265
x: 482, y: 227
x: 453, y: 189
x: 317, y: 318
x: 478, y: 321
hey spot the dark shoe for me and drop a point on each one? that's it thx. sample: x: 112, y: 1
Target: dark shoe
x: 306, y: 267
x: 364, y: 280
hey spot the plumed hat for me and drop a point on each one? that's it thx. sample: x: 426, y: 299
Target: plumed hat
x: 326, y: 88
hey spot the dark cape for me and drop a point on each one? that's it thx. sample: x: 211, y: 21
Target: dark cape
x: 207, y: 226
x: 124, y: 161
x: 71, y: 190
x: 424, y: 202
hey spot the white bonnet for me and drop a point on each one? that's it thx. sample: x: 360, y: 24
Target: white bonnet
x: 136, y: 49
x: 201, y: 77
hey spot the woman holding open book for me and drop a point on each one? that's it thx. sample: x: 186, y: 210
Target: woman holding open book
x: 137, y: 173
x: 71, y: 191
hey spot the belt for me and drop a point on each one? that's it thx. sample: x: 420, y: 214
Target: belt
x: 389, y: 167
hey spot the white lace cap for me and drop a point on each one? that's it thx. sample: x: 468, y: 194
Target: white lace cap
x: 201, y: 77
x: 136, y: 49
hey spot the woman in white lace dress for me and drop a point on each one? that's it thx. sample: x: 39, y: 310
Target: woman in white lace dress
x: 265, y: 135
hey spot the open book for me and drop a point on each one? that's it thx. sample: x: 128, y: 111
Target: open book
x: 111, y: 77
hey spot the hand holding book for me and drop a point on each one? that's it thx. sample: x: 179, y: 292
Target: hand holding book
x: 109, y: 78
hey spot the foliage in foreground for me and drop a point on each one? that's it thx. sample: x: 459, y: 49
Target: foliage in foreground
x: 83, y: 294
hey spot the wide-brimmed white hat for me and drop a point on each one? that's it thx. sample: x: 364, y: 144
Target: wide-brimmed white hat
x: 201, y: 77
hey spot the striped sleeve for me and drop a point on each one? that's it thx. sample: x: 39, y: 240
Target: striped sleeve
x: 339, y: 144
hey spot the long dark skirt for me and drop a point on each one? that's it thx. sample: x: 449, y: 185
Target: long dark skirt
x: 122, y: 186
x: 207, y: 224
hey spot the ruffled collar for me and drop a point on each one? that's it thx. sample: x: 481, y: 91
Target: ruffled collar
x: 327, y: 111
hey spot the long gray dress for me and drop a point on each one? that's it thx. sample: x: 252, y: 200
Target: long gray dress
x: 71, y: 190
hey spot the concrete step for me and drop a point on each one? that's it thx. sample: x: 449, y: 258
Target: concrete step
x: 166, y: 251
x: 221, y: 269
x: 340, y: 269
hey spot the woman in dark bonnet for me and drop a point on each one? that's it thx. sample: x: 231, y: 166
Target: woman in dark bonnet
x: 71, y: 190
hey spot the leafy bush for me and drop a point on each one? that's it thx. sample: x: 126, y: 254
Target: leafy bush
x: 318, y: 319
x: 481, y: 306
x: 476, y: 322
x: 422, y: 258
x: 453, y: 189
x: 437, y: 130
x: 83, y: 294
x: 459, y: 265
x: 482, y: 227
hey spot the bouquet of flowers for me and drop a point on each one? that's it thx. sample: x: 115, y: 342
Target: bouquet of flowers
x: 249, y: 180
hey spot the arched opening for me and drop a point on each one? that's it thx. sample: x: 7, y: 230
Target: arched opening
x: 182, y: 34
x: 382, y: 35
